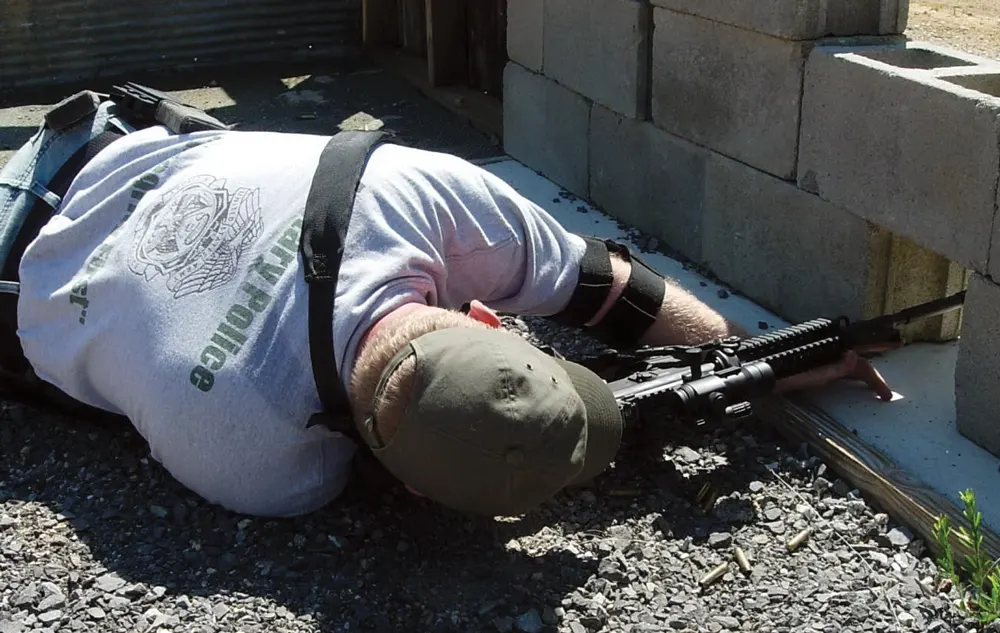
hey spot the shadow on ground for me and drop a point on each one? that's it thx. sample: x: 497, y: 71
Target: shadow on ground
x: 418, y: 563
x: 303, y: 99
x: 379, y: 558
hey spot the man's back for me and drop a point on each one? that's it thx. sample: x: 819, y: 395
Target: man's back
x: 169, y: 290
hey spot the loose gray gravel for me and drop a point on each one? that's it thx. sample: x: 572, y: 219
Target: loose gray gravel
x: 96, y: 536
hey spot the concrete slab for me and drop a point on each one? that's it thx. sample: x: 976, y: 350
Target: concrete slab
x: 600, y: 49
x: 977, y: 375
x: 802, y: 19
x: 648, y: 178
x: 525, y: 27
x: 732, y: 90
x: 790, y: 251
x: 888, y: 137
x: 546, y: 126
x: 916, y: 430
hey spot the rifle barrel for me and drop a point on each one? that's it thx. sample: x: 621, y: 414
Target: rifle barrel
x: 922, y: 311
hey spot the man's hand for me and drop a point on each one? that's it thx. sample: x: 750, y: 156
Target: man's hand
x: 851, y: 365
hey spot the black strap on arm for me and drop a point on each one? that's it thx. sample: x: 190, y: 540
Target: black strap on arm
x: 636, y: 309
x: 592, y: 286
x: 324, y: 234
x: 632, y: 314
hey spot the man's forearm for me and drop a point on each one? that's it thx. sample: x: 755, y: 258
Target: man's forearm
x: 685, y: 320
x: 682, y: 320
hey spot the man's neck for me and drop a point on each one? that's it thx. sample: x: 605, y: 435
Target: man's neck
x: 388, y: 320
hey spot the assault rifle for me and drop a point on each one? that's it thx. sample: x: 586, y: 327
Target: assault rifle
x: 719, y: 379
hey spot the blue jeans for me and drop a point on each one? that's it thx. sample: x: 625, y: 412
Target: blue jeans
x: 25, y: 178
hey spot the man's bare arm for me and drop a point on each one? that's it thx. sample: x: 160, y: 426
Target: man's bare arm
x: 682, y: 319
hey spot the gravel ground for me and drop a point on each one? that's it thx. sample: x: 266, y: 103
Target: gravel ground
x: 96, y: 536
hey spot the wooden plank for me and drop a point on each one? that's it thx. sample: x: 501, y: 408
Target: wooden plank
x: 903, y: 497
x: 413, y: 27
x: 487, y: 35
x: 482, y: 111
x: 379, y: 28
x: 447, y: 56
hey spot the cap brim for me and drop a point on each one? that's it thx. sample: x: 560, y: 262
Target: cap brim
x: 604, y: 421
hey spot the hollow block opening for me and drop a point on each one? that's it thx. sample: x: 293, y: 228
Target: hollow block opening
x: 988, y: 84
x: 919, y: 58
x: 915, y: 275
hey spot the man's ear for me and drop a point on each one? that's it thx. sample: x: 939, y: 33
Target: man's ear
x: 479, y: 312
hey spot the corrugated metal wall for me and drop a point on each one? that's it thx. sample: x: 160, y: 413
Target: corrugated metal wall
x: 58, y: 41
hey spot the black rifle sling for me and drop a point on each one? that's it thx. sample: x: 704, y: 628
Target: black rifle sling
x: 324, y: 233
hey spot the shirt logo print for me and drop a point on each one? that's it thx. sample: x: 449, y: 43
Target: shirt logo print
x: 195, y: 235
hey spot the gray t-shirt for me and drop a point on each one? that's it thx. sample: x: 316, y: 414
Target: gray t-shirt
x: 168, y: 289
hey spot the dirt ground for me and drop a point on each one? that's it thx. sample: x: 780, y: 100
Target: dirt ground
x: 299, y: 99
x: 972, y: 26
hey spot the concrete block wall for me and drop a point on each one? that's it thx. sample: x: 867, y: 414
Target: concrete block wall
x: 803, y: 151
x: 801, y: 19
x: 735, y: 91
x: 599, y: 48
x: 524, y: 33
x: 977, y: 372
x: 894, y: 136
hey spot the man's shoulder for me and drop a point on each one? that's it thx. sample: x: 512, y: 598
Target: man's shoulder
x: 394, y: 157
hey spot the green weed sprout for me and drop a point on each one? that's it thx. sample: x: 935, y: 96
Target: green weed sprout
x: 980, y: 597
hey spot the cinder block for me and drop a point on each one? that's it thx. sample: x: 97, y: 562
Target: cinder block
x: 805, y: 258
x: 600, y: 48
x: 802, y: 19
x: 546, y: 127
x: 732, y: 90
x: 648, y: 179
x: 977, y: 371
x: 891, y: 134
x: 788, y: 250
x: 524, y: 33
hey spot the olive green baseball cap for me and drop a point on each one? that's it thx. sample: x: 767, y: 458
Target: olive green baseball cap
x: 495, y: 426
